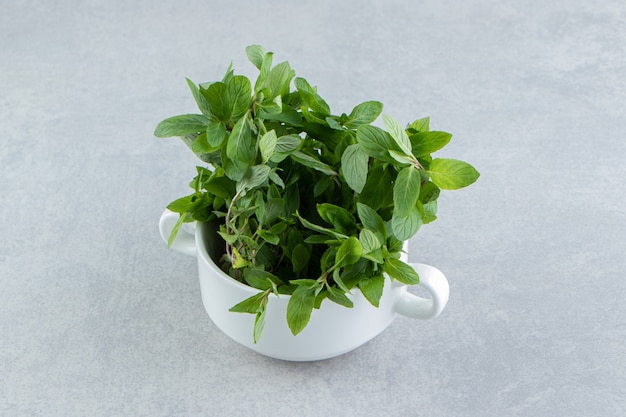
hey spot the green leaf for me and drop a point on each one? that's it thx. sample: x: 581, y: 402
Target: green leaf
x: 182, y: 125
x: 339, y: 281
x: 378, y: 190
x: 321, y: 186
x: 255, y: 54
x: 288, y: 143
x: 216, y: 135
x: 299, y: 308
x: 364, y: 113
x: 261, y: 280
x: 181, y: 205
x: 402, y: 158
x: 369, y: 241
x: 333, y: 123
x: 425, y: 143
x: 273, y: 209
x: 320, y: 229
x: 429, y: 192
x: 340, y: 218
x: 348, y: 253
x: 278, y: 227
x: 182, y: 218
x: 421, y: 125
x: 259, y: 324
x: 241, y: 145
x: 400, y: 271
x: 319, y: 240
x: 229, y: 73
x: 240, y: 261
x: 201, y: 101
x: 372, y: 220
x: 237, y: 97
x: 275, y: 178
x: 354, y: 165
x: 312, y: 162
x: 255, y: 176
x: 375, y: 142
x: 300, y: 258
x: 220, y: 186
x: 372, y: 288
x: 451, y: 174
x: 254, y: 304
x: 405, y: 227
x: 310, y: 97
x: 211, y: 140
x: 430, y: 212
x: 398, y: 134
x: 278, y: 80
x: 215, y: 95
x: 339, y: 297
x: 268, y: 237
x: 406, y: 190
x: 269, y: 108
x: 267, y: 145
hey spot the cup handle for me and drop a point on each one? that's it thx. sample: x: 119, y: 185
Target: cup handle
x: 435, y: 282
x: 184, y: 242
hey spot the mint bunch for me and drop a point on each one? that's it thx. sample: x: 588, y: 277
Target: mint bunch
x: 309, y: 203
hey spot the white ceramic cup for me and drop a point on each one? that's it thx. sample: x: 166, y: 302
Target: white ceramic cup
x: 332, y: 329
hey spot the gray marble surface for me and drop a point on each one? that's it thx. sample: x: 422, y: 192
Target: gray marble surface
x: 98, y: 318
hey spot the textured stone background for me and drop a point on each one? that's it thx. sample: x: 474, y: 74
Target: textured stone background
x: 98, y: 318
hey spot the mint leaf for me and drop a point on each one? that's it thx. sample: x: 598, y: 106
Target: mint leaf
x: 354, y: 165
x: 320, y: 229
x: 182, y: 125
x: 300, y: 307
x: 312, y: 162
x: 372, y: 220
x: 378, y: 190
x: 376, y: 142
x: 260, y: 279
x: 421, y: 125
x: 337, y: 296
x: 254, y: 304
x: 372, y: 288
x: 369, y: 241
x: 241, y: 145
x: 267, y: 145
x: 310, y: 97
x: 348, y: 253
x: 425, y: 143
x: 269, y: 108
x: 451, y: 174
x: 222, y: 187
x: 398, y: 134
x: 363, y: 114
x: 300, y: 258
x: 216, y: 135
x: 259, y: 324
x: 182, y: 204
x: 278, y: 80
x: 201, y: 101
x: 215, y: 95
x: 406, y: 190
x: 237, y: 97
x: 255, y: 176
x: 400, y: 271
x: 255, y: 54
x: 270, y: 238
x: 405, y: 227
x: 340, y: 218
